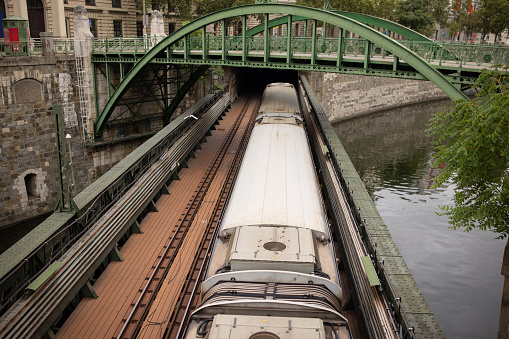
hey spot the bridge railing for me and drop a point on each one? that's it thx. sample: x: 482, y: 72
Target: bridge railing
x: 32, y: 47
x: 63, y: 45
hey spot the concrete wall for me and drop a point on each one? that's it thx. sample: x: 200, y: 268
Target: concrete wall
x: 29, y: 88
x: 344, y: 96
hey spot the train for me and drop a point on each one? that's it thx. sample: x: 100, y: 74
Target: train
x: 273, y: 270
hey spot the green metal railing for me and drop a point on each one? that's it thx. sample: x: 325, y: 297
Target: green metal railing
x: 129, y: 45
x: 32, y: 47
x: 437, y: 53
x: 63, y: 46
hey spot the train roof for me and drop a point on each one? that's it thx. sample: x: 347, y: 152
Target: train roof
x: 279, y: 97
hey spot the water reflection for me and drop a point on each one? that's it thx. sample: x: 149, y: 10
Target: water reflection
x: 458, y: 273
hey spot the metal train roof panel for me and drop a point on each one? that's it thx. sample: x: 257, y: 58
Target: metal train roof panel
x: 277, y: 184
x: 279, y: 98
x: 272, y: 247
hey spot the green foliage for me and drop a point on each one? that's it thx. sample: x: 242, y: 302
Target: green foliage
x: 494, y: 16
x: 208, y: 6
x: 441, y: 11
x: 472, y: 140
x: 416, y: 14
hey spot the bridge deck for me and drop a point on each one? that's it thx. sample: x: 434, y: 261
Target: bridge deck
x: 119, y: 285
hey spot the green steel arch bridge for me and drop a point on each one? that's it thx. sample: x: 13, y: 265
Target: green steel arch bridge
x: 449, y: 66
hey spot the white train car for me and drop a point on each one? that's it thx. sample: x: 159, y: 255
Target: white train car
x: 273, y: 271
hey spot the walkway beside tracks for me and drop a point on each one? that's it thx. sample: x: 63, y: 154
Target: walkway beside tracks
x: 120, y: 285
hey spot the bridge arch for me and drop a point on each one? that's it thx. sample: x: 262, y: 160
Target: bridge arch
x: 362, y: 18
x: 342, y: 21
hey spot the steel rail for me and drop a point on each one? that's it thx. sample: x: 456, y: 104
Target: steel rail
x: 218, y: 213
x: 175, y: 241
x: 30, y: 318
x: 378, y: 322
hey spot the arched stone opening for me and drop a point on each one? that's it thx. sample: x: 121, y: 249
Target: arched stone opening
x: 31, y: 185
x: 36, y: 20
x: 27, y: 90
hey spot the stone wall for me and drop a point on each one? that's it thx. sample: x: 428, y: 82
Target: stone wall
x: 344, y: 96
x: 29, y: 88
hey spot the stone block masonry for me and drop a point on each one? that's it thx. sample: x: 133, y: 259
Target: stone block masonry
x: 345, y: 96
x: 29, y: 88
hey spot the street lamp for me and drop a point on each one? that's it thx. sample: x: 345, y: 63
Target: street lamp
x: 68, y: 138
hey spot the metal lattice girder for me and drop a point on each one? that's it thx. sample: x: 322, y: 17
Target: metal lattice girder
x: 341, y: 21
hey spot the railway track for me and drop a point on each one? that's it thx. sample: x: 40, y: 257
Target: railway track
x: 32, y: 315
x: 374, y: 306
x: 188, y: 298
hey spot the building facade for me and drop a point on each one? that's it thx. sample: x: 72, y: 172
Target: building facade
x: 107, y: 18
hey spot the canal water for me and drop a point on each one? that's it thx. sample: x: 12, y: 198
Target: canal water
x: 458, y: 272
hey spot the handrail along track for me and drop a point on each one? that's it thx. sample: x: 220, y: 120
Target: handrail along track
x: 13, y: 284
x: 381, y: 307
x: 44, y: 306
x: 139, y: 312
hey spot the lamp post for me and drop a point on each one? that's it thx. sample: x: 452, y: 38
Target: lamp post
x: 68, y: 138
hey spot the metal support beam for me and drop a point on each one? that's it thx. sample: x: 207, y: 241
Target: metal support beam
x: 152, y: 207
x: 108, y: 90
x: 367, y: 53
x: 115, y: 255
x: 289, y: 40
x: 313, y: 43
x: 121, y: 66
x: 266, y: 37
x: 135, y: 227
x: 223, y: 39
x: 204, y: 42
x: 339, y: 58
x: 87, y: 291
x: 244, y: 40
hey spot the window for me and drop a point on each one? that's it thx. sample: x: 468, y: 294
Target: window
x: 93, y: 26
x: 90, y: 2
x: 171, y: 27
x: 117, y: 28
x: 139, y: 28
x: 171, y: 9
x: 155, y: 7
x: 116, y: 3
x: 31, y: 185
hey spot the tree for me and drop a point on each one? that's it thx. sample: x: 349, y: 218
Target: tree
x: 441, y: 11
x: 416, y: 15
x: 494, y: 16
x: 473, y: 144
